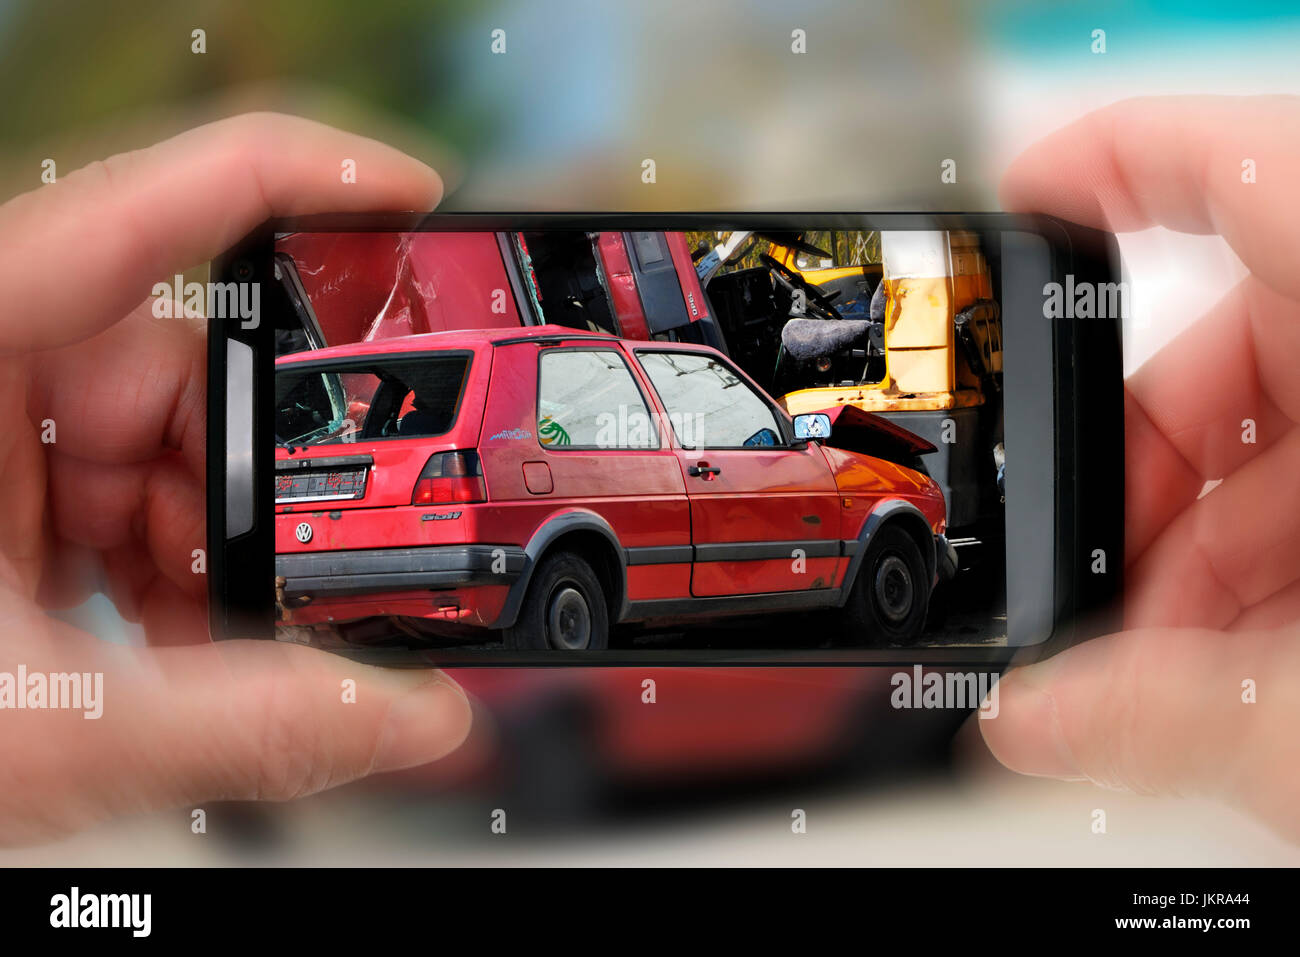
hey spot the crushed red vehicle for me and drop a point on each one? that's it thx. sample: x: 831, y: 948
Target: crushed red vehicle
x: 358, y: 287
x: 545, y: 484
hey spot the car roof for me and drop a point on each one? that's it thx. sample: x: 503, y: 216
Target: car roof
x: 450, y: 339
x: 471, y: 339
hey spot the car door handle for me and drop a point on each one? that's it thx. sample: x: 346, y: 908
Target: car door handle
x: 704, y: 468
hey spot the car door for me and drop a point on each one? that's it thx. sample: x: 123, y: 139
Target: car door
x: 764, y: 512
x: 569, y: 428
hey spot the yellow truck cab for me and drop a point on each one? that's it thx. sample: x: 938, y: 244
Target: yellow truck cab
x: 934, y: 360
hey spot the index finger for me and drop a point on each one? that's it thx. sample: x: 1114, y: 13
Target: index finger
x: 1197, y: 164
x: 78, y: 255
x: 1180, y: 162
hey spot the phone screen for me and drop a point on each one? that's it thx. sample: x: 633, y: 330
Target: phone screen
x: 661, y: 443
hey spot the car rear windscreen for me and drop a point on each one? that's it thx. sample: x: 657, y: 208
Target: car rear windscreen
x: 348, y: 400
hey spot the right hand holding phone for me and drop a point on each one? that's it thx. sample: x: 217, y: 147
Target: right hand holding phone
x: 1201, y: 693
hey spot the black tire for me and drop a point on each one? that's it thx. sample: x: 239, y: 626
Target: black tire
x: 891, y: 593
x: 564, y: 609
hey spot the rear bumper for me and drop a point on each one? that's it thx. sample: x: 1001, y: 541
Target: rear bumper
x: 363, y: 571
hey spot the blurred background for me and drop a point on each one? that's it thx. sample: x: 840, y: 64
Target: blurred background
x: 734, y: 119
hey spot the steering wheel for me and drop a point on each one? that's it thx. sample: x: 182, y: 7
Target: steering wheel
x: 792, y: 281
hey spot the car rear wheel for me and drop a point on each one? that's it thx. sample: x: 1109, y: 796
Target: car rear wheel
x: 564, y: 608
x: 891, y: 594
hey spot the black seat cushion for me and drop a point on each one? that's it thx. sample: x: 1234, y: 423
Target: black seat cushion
x: 812, y: 338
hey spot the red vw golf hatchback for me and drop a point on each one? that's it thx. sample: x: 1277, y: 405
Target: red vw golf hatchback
x: 547, y: 483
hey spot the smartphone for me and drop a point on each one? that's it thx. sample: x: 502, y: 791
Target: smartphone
x: 694, y: 439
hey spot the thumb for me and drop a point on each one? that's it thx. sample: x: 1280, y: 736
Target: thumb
x: 278, y: 721
x: 1163, y: 711
x: 231, y: 720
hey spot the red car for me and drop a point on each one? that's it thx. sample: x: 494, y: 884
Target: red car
x: 547, y: 483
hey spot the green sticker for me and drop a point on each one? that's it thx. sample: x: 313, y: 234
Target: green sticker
x: 551, y: 432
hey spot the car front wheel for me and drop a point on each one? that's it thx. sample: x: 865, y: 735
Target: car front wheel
x: 564, y: 608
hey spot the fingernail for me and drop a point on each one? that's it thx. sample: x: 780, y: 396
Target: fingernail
x: 424, y: 723
x: 1036, y: 744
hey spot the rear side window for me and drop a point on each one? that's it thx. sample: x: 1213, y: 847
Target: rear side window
x: 708, y: 404
x: 587, y: 398
x: 320, y: 403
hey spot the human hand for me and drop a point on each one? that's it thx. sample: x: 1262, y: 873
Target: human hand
x: 1212, y: 593
x: 117, y: 500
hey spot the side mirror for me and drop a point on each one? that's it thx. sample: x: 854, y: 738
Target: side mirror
x: 812, y: 425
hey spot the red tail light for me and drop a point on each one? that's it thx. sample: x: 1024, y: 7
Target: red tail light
x: 450, y: 478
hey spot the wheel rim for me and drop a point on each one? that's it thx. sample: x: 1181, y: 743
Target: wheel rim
x: 893, y: 588
x: 568, y: 619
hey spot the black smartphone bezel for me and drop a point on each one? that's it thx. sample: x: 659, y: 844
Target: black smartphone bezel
x: 1086, y: 392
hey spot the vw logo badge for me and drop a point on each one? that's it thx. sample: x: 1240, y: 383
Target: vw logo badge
x: 303, y: 532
